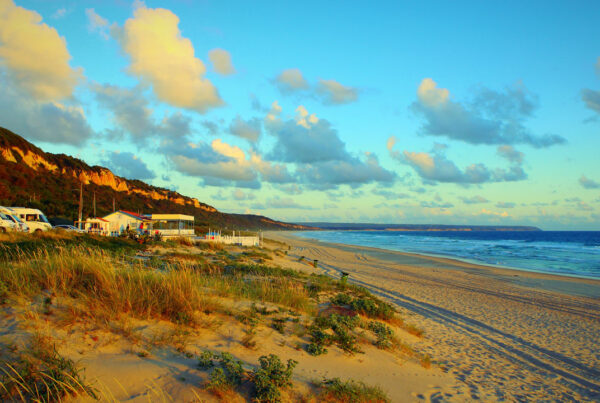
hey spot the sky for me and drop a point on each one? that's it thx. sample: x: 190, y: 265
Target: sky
x: 375, y: 112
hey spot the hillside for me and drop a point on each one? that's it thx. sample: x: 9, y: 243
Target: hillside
x: 51, y: 182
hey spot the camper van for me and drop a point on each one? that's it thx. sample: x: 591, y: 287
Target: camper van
x: 34, y: 218
x: 6, y: 224
x: 19, y: 225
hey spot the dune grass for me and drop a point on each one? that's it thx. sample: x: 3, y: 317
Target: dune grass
x: 336, y: 390
x: 40, y: 374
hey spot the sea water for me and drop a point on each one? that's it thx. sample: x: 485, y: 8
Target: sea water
x: 572, y: 253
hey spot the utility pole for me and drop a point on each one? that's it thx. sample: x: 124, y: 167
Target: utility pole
x: 114, y: 209
x: 94, y: 204
x: 80, y: 204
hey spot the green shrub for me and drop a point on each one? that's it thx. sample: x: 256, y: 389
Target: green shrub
x: 342, y: 327
x: 227, y: 375
x: 279, y: 324
x: 366, y: 305
x: 351, y: 392
x: 205, y: 360
x: 384, y: 334
x: 271, y: 377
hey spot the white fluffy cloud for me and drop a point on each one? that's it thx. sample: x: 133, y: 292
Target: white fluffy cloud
x: 221, y: 61
x: 34, y: 55
x: 163, y: 58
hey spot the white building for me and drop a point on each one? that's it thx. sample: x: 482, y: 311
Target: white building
x: 122, y: 220
x: 172, y: 225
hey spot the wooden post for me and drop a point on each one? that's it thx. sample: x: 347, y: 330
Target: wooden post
x: 80, y: 204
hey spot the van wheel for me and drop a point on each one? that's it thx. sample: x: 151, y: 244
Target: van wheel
x: 2, y: 230
x: 37, y: 231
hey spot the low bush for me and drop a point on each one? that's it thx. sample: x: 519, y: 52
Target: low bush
x: 366, y: 305
x: 383, y: 333
x: 342, y: 327
x: 336, y: 390
x: 226, y: 374
x: 271, y: 377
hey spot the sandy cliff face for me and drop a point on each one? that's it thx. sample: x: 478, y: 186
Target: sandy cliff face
x: 101, y: 177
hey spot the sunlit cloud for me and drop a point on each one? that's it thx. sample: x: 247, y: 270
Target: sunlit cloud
x: 163, y: 58
x: 221, y: 61
x: 34, y: 55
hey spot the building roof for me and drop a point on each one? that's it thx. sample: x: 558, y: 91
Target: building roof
x: 130, y: 214
x: 181, y: 217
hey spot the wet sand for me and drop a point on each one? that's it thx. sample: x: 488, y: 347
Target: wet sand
x: 508, y: 335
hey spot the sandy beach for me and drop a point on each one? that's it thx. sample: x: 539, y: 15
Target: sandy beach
x: 506, y: 335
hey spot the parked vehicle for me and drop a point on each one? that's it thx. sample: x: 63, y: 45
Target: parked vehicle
x: 68, y: 228
x: 34, y: 218
x: 6, y: 224
x: 12, y: 216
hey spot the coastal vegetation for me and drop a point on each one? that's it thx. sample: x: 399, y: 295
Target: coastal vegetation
x: 78, y: 281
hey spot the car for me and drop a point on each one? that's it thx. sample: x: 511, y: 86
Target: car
x: 67, y: 227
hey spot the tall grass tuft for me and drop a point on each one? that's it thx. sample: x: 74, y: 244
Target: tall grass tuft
x: 41, y: 374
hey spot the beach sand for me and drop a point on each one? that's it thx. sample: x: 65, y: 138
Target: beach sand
x: 506, y: 335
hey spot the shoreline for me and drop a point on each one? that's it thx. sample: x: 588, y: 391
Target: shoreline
x: 558, y: 282
x: 507, y: 334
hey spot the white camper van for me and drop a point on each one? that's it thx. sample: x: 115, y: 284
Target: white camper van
x: 34, y: 218
x: 12, y: 216
x: 6, y: 224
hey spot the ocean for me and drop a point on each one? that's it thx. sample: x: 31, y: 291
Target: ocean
x: 570, y: 253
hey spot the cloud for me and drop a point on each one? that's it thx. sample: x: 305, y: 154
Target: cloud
x: 131, y: 113
x: 128, y: 165
x: 96, y: 23
x: 591, y: 99
x: 583, y: 206
x: 59, y: 13
x: 435, y: 167
x: 336, y: 93
x: 221, y: 61
x: 34, y: 55
x: 432, y: 204
x: 474, y: 200
x: 321, y: 158
x: 512, y: 155
x: 286, y: 203
x: 352, y: 171
x: 305, y: 139
x: 588, y: 183
x: 389, y: 195
x: 291, y: 80
x: 240, y: 195
x: 211, y: 127
x: 491, y: 118
x: 161, y: 57
x: 246, y: 129
x: 221, y: 164
x: 505, y: 205
x: 486, y: 212
x: 52, y: 122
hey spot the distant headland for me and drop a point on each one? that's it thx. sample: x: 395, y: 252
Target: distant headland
x: 414, y: 227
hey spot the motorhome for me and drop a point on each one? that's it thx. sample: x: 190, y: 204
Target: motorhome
x: 12, y: 216
x: 34, y: 218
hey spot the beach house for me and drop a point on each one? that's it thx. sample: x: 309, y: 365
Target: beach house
x: 171, y: 225
x: 122, y: 220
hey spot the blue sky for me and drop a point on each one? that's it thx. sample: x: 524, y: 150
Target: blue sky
x: 402, y: 112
